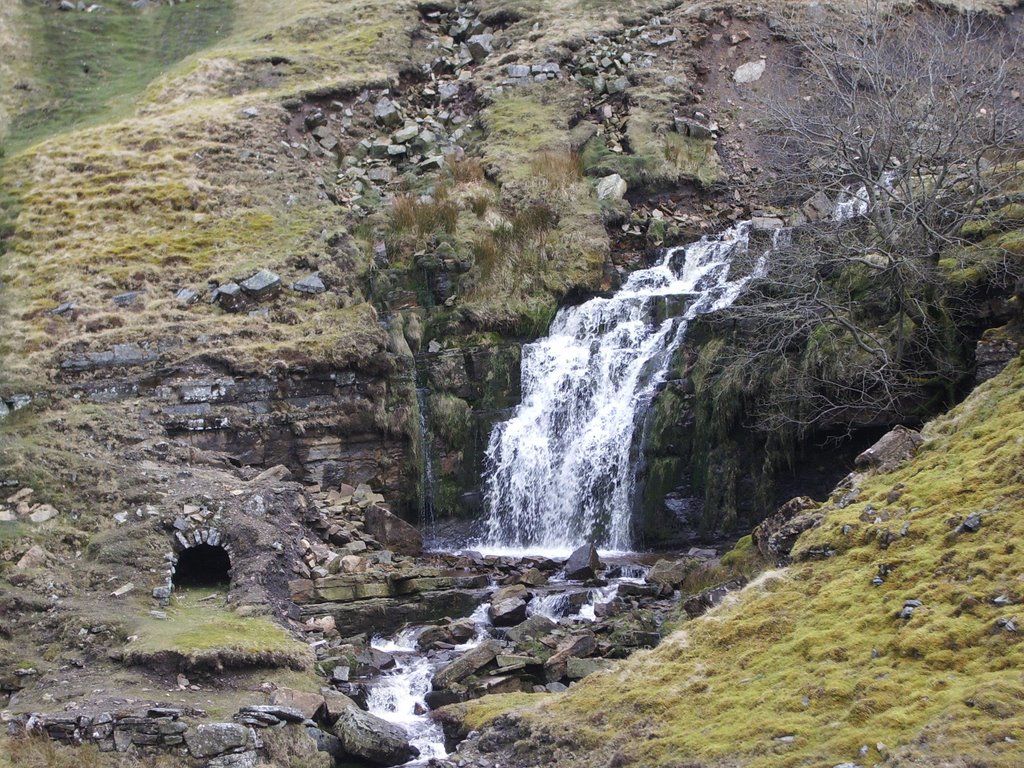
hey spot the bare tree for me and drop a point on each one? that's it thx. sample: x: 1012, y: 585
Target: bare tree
x: 910, y: 133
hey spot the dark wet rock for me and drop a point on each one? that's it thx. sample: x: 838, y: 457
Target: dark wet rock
x: 508, y: 606
x: 371, y: 738
x: 467, y: 664
x: 893, y: 449
x: 583, y: 564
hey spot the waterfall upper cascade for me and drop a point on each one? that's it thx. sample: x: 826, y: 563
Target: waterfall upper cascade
x: 561, y: 471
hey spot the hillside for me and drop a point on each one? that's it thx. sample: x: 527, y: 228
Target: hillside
x: 273, y: 276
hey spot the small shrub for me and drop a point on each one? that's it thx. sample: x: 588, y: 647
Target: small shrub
x: 479, y: 205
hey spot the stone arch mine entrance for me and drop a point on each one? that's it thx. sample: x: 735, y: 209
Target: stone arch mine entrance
x: 204, y: 565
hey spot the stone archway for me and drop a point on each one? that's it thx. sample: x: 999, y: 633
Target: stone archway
x: 203, y: 565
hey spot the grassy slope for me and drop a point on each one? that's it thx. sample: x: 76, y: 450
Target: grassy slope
x: 166, y: 197
x: 816, y: 652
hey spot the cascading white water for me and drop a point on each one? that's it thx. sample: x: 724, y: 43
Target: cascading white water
x: 399, y: 695
x: 561, y: 470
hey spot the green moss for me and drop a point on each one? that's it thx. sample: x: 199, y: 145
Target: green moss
x: 199, y: 630
x: 483, y: 711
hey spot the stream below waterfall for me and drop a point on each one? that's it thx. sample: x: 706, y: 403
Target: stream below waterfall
x: 401, y: 694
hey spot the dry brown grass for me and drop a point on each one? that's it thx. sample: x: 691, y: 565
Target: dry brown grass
x: 560, y: 169
x: 40, y: 752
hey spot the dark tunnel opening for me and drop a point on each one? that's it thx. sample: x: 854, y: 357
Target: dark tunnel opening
x: 203, y: 566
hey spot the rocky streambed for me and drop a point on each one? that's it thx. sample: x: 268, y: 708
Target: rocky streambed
x: 540, y: 625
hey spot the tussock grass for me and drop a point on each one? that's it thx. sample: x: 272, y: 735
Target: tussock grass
x: 40, y: 752
x: 817, y: 653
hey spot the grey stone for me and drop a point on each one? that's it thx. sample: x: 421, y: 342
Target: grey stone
x: 518, y: 70
x: 576, y: 669
x: 406, y: 134
x: 386, y: 113
x: 893, y: 449
x: 618, y: 85
x: 692, y: 128
x: 310, y: 284
x: 63, y: 309
x: 480, y: 47
x: 126, y: 299
x: 583, y: 563
x: 211, y: 739
x: 909, y: 607
x: 611, y: 187
x: 818, y: 207
x: 971, y: 525
x: 534, y: 627
x: 749, y: 72
x: 186, y: 296
x: 229, y: 297
x: 371, y: 738
x: 464, y: 666
x: 263, y: 285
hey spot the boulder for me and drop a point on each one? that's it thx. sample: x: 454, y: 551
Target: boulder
x: 386, y: 113
x: 312, y: 284
x: 468, y: 663
x: 480, y: 47
x: 212, y: 739
x: 668, y: 574
x: 534, y: 627
x: 302, y: 701
x: 42, y: 513
x: 508, y: 606
x: 369, y: 737
x: 229, y: 297
x: 817, y: 207
x: 749, y: 72
x: 611, y: 187
x: 776, y: 535
x: 893, y: 449
x: 577, y: 669
x: 575, y: 646
x: 583, y: 563
x: 392, y: 532
x: 36, y: 557
x: 263, y: 285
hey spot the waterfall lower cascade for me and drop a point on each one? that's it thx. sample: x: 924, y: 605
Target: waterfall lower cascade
x: 561, y: 470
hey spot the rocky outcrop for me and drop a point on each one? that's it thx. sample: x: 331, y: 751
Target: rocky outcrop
x: 392, y: 532
x: 775, y: 536
x: 893, y: 449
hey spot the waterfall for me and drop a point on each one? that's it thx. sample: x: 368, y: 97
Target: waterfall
x: 426, y: 463
x: 560, y: 472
